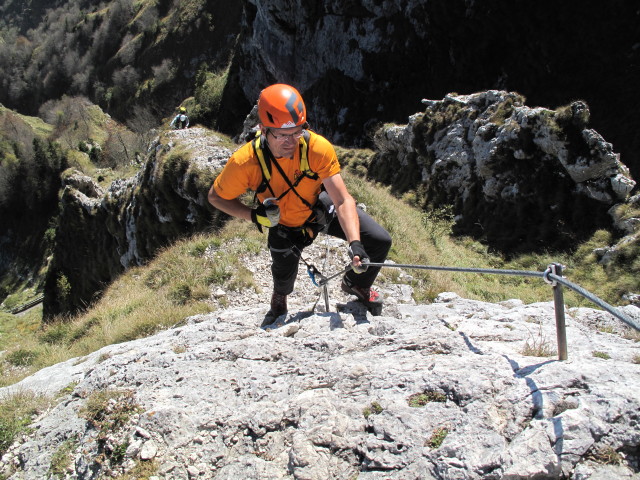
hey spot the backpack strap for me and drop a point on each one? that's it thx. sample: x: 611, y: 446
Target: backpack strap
x: 304, y: 157
x: 264, y: 165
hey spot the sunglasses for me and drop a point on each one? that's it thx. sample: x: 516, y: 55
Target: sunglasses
x: 285, y: 136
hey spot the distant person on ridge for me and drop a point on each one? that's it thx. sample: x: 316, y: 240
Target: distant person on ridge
x: 181, y: 120
x: 296, y: 176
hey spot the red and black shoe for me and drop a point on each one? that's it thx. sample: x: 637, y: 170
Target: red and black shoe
x: 366, y: 295
x: 278, y: 308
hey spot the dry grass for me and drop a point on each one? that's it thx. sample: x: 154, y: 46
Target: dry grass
x: 16, y: 413
x: 144, y: 300
x: 423, y: 239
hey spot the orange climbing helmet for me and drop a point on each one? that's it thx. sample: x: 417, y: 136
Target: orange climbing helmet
x: 281, y: 106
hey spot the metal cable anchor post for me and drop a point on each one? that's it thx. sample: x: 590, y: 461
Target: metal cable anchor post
x: 555, y: 270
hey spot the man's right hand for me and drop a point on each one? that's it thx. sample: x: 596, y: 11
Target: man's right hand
x: 265, y: 216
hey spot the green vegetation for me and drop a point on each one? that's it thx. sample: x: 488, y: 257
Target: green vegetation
x: 606, y: 455
x: 176, y: 285
x: 421, y: 399
x: 374, y: 409
x: 124, y: 54
x: 108, y: 410
x: 62, y: 458
x: 30, y: 165
x: 437, y: 437
x: 505, y: 109
x: 141, y: 471
x: 603, y: 355
x: 16, y: 413
x: 538, y: 346
x: 208, y: 95
x: 422, y: 237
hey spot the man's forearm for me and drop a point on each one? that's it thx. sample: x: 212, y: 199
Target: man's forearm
x: 232, y: 207
x: 348, y: 218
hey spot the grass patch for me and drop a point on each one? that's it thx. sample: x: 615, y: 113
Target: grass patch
x: 141, y: 471
x: 538, y: 346
x: 423, y: 239
x: 421, y: 399
x: 22, y: 357
x: 603, y: 355
x: 108, y: 410
x: 437, y: 437
x: 606, y: 455
x: 374, y: 409
x: 62, y: 458
x: 17, y: 411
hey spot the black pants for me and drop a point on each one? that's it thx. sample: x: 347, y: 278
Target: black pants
x: 375, y: 240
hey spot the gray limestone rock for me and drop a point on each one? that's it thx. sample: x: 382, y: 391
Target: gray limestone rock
x: 430, y: 392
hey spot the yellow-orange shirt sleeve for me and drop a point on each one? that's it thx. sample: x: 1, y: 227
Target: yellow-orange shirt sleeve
x: 322, y: 157
x: 241, y: 173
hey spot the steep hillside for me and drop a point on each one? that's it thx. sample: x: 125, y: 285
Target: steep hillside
x: 30, y: 165
x: 120, y: 53
x: 34, y: 152
x: 358, y: 63
x: 100, y: 232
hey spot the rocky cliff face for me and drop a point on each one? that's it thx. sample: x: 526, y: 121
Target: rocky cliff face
x: 456, y: 389
x: 362, y: 62
x: 521, y: 178
x: 100, y: 232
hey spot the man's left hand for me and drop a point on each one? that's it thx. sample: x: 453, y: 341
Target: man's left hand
x: 359, y: 257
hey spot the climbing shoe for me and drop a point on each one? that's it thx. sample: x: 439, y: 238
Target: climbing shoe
x: 278, y: 307
x: 366, y: 295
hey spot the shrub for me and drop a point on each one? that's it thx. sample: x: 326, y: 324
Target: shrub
x: 603, y: 355
x: 180, y: 294
x: 22, y: 357
x: 606, y: 455
x: 208, y: 94
x: 55, y: 333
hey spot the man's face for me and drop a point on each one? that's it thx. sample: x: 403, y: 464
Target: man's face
x: 283, y: 141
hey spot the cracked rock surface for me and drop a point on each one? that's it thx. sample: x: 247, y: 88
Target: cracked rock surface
x: 435, y: 391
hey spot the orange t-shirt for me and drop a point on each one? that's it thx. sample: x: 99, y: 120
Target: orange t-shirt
x: 243, y: 173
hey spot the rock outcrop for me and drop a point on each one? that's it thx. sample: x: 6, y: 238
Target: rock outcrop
x: 520, y: 178
x: 100, y: 233
x: 456, y: 389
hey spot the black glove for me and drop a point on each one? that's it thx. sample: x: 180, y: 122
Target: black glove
x: 265, y: 216
x: 357, y: 250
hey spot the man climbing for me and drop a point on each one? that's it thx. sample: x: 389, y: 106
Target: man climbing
x: 181, y: 120
x: 288, y: 167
